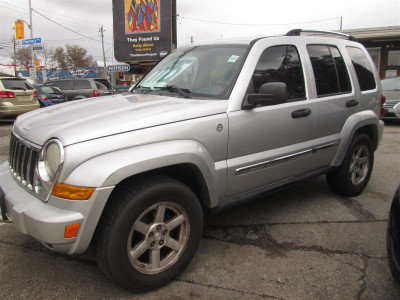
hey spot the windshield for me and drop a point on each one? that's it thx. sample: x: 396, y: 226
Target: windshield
x: 391, y: 84
x: 198, y: 71
x: 50, y: 90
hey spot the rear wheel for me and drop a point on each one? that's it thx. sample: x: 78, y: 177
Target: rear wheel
x: 354, y: 173
x: 150, y: 233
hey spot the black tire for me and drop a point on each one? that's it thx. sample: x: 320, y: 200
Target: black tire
x: 393, y: 237
x: 138, y: 219
x: 354, y: 173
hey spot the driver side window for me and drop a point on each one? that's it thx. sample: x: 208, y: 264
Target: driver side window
x: 280, y: 64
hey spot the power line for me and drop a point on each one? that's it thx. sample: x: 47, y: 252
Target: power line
x: 90, y: 38
x: 244, y: 24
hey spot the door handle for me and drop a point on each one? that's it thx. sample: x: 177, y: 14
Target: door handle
x: 351, y: 103
x: 301, y: 113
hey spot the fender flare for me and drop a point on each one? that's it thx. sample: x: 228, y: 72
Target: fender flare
x: 354, y: 123
x: 111, y: 168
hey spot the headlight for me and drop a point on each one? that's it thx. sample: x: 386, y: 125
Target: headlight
x: 51, y: 159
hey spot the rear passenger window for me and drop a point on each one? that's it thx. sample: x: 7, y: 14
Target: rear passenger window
x: 363, y: 69
x: 62, y: 84
x: 280, y: 64
x: 330, y: 72
x: 82, y: 84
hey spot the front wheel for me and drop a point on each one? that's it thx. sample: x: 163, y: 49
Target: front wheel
x: 150, y: 233
x: 354, y: 173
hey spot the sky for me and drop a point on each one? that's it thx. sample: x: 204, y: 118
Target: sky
x: 61, y: 22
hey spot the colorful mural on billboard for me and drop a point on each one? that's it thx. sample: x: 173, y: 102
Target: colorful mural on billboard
x: 142, y: 16
x: 143, y: 29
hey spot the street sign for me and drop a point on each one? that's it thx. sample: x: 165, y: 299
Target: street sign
x: 37, y: 47
x: 32, y: 41
x: 32, y: 73
x: 118, y: 68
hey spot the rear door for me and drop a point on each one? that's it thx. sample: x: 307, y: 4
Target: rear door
x: 336, y: 99
x: 270, y: 144
x: 65, y: 86
x: 82, y: 88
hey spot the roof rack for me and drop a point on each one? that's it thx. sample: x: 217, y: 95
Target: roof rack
x: 297, y: 32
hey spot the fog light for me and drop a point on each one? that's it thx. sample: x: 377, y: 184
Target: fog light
x: 71, y: 230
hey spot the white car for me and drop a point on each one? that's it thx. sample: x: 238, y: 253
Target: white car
x: 391, y: 89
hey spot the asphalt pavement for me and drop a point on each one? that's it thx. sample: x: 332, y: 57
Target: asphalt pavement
x: 304, y: 242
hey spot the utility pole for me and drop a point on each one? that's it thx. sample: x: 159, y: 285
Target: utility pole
x: 341, y: 23
x: 15, y: 55
x: 104, y: 55
x: 32, y: 73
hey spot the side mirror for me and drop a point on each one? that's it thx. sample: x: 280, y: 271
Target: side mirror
x: 270, y: 93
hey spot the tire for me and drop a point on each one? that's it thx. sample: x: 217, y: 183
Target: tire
x: 393, y: 238
x: 354, y: 173
x: 149, y: 233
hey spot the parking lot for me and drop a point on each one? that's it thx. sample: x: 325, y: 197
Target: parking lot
x: 300, y: 243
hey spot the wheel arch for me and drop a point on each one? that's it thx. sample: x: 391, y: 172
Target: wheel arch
x: 363, y: 122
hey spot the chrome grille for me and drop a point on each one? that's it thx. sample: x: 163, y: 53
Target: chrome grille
x: 22, y: 159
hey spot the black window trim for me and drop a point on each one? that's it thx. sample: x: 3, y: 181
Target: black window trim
x: 336, y: 71
x: 301, y: 66
x: 355, y: 72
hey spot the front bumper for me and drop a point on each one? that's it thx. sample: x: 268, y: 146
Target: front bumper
x: 46, y: 222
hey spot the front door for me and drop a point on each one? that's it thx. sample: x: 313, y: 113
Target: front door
x: 269, y: 144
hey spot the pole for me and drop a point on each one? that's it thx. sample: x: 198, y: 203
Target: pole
x: 32, y: 53
x: 15, y: 56
x: 104, y: 54
x: 341, y: 23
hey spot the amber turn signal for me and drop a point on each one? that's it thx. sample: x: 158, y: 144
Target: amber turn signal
x: 72, y: 192
x: 71, y: 230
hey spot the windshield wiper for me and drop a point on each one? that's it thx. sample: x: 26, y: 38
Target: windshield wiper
x: 174, y: 89
x: 144, y: 89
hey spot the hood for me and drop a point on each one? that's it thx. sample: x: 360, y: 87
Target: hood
x: 92, y: 118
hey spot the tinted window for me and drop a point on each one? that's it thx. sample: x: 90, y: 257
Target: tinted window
x: 16, y: 84
x: 363, y: 69
x: 100, y: 86
x: 82, y: 84
x: 63, y: 84
x: 330, y: 73
x: 280, y: 64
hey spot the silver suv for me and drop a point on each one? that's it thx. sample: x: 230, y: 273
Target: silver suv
x: 209, y: 126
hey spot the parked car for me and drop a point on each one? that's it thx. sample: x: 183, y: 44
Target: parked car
x: 81, y: 88
x: 391, y: 89
x: 17, y: 96
x: 49, y: 95
x: 393, y: 237
x: 208, y: 127
x: 121, y: 88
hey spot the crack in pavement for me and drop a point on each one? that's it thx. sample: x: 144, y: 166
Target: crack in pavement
x: 228, y: 289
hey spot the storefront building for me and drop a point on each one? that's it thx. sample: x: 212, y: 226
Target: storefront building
x: 384, y: 46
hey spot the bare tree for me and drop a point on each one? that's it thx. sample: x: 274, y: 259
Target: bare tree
x: 46, y: 53
x: 59, y: 58
x: 23, y: 56
x: 77, y: 57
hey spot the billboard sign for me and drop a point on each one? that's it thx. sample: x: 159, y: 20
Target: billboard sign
x: 142, y: 29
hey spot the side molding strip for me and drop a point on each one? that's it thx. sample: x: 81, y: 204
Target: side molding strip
x: 283, y: 159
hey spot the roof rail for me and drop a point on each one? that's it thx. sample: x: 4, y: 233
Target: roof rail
x: 297, y: 32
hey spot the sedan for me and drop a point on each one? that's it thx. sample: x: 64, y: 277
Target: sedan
x: 49, y: 95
